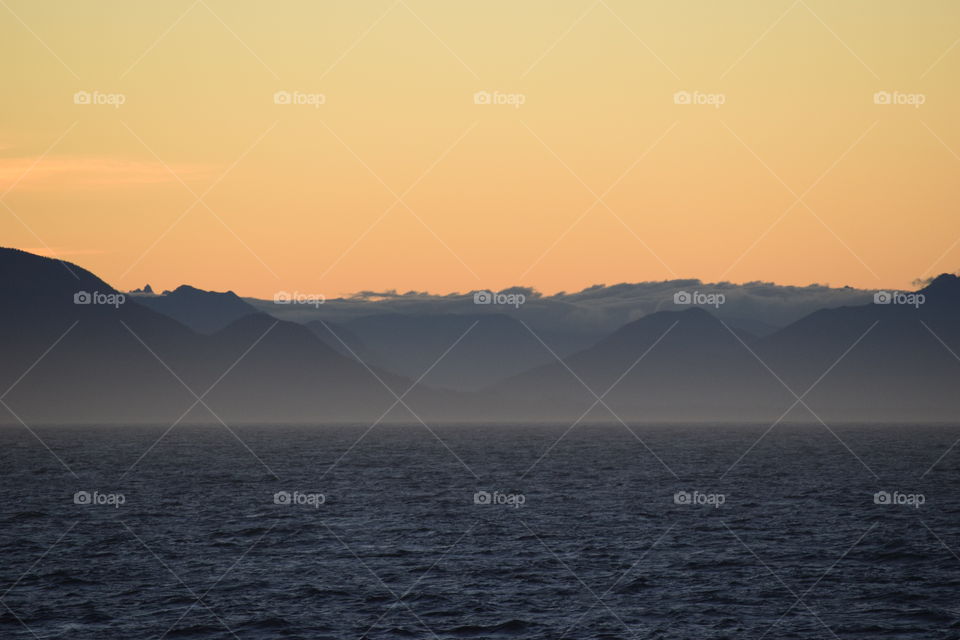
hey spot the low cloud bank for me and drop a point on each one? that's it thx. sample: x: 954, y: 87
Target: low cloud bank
x: 759, y: 307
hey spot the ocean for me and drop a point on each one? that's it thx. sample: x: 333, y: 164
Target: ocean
x: 472, y: 531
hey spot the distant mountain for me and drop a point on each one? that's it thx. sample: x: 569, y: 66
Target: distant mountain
x: 901, y: 368
x: 74, y: 349
x: 203, y: 311
x: 491, y: 346
x: 685, y: 365
x: 88, y: 353
x: 886, y: 361
x: 94, y: 371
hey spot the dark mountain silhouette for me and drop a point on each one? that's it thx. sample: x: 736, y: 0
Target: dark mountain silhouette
x: 202, y: 311
x: 879, y: 362
x: 899, y: 369
x: 104, y: 367
x: 95, y: 370
x: 76, y: 350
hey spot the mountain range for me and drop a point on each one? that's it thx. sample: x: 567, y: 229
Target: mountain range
x: 76, y: 350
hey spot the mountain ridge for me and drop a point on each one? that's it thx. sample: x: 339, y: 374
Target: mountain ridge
x: 90, y: 356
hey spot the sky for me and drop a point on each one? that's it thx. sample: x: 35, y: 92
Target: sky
x: 443, y: 146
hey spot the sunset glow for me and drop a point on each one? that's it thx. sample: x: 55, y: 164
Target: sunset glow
x: 395, y: 178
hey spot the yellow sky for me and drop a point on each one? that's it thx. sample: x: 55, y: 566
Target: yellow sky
x: 398, y: 180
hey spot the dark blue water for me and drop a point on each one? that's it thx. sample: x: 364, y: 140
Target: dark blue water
x: 191, y: 542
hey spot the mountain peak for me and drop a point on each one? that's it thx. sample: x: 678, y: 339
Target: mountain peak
x: 33, y: 275
x: 189, y: 292
x: 944, y: 285
x: 202, y: 311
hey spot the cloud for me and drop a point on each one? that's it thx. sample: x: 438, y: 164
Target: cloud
x: 758, y: 307
x: 91, y: 172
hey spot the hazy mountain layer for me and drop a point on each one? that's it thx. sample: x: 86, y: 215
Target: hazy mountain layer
x: 76, y: 350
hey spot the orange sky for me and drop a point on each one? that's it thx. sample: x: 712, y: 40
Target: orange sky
x: 189, y: 172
